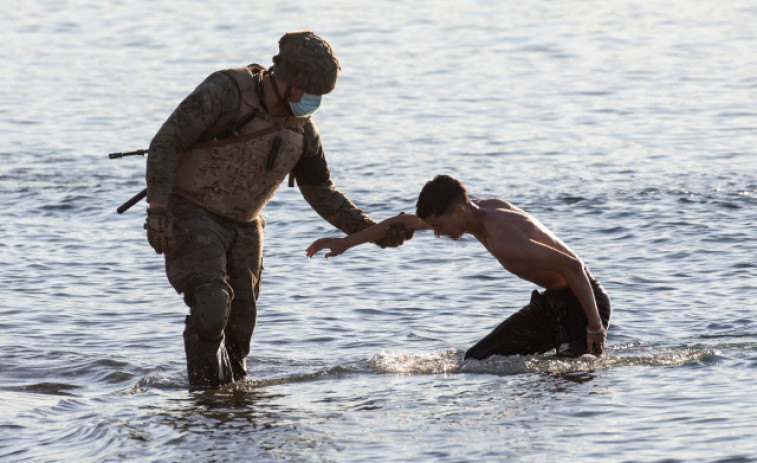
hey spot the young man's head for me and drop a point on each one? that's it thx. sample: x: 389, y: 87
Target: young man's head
x: 441, y: 204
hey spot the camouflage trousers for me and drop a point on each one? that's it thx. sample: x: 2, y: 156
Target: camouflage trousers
x: 205, y: 249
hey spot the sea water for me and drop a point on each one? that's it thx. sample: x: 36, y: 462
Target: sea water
x: 627, y: 127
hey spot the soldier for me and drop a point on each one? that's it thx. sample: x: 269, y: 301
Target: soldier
x: 211, y: 169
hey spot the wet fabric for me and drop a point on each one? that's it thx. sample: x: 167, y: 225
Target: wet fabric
x: 553, y: 319
x: 208, y: 363
x: 207, y: 249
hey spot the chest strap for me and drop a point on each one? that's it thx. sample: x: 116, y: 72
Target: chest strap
x: 288, y: 123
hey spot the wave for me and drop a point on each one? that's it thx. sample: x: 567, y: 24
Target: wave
x: 451, y: 362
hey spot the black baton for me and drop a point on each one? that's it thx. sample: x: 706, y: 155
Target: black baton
x: 134, y: 200
x: 127, y: 153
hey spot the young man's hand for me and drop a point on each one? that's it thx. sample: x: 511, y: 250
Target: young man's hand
x: 595, y: 341
x: 335, y: 245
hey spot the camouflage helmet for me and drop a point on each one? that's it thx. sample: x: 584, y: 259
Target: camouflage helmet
x: 307, y: 62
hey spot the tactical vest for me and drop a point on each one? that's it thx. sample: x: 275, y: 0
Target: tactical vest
x: 235, y: 177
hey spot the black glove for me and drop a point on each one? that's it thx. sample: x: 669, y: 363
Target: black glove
x: 157, y: 225
x: 396, y: 235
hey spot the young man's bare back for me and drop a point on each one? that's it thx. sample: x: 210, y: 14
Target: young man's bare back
x: 508, y: 230
x: 574, y: 306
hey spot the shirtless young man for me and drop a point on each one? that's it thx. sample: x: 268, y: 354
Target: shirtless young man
x: 571, y: 315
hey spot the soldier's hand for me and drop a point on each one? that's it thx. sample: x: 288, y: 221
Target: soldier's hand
x: 396, y: 235
x: 157, y: 225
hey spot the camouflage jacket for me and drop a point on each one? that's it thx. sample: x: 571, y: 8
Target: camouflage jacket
x: 199, y: 113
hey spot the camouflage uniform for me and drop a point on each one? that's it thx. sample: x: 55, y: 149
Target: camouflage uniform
x: 211, y: 256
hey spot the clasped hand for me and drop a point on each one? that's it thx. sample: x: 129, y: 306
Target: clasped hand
x: 157, y: 225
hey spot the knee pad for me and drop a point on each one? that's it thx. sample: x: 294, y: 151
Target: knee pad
x: 210, y: 311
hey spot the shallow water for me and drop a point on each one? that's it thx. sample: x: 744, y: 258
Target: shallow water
x: 629, y: 128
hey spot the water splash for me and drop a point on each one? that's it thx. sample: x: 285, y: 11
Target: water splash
x: 419, y: 363
x: 451, y: 361
x: 177, y: 381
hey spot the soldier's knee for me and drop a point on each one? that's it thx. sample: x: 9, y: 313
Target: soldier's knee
x: 210, y: 310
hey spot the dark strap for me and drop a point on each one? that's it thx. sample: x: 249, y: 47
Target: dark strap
x: 282, y: 99
x: 271, y: 161
x: 232, y: 130
x: 286, y: 124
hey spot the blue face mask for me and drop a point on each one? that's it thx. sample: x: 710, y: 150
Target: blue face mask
x: 307, y: 105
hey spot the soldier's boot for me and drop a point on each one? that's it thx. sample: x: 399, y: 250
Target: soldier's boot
x: 208, y: 363
x: 238, y: 368
x: 238, y: 334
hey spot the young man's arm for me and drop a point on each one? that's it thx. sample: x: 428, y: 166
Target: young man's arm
x: 314, y: 179
x: 572, y: 270
x: 371, y: 234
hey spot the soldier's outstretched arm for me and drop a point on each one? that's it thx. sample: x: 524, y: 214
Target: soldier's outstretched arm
x: 335, y: 207
x: 339, y: 211
x: 314, y: 179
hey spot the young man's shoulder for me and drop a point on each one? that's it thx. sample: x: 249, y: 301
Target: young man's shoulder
x: 494, y: 203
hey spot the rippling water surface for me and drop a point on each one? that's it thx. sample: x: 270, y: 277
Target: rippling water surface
x: 627, y: 127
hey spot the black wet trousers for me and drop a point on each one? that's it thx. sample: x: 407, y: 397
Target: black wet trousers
x: 205, y: 249
x: 553, y: 319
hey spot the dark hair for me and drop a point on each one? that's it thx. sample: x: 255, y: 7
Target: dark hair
x: 439, y: 196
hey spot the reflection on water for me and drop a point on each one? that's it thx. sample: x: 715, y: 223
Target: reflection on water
x: 207, y: 410
x: 625, y: 127
x: 388, y: 396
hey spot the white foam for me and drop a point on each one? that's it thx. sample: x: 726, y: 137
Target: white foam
x: 613, y: 358
x: 443, y: 362
x: 451, y: 361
